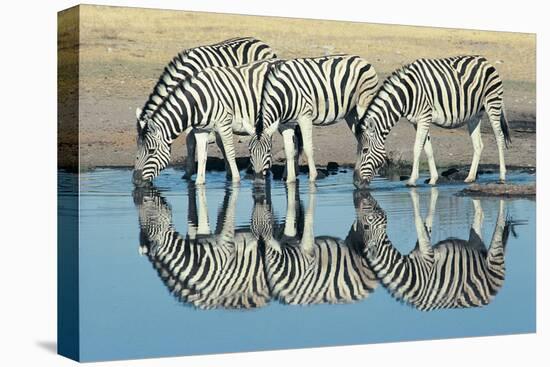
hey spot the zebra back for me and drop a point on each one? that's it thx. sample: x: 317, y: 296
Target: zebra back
x: 326, y: 88
x: 189, y: 62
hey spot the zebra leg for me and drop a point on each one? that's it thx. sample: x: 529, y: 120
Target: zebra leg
x: 290, y: 152
x: 474, y: 127
x: 476, y: 239
x: 190, y: 144
x: 434, y: 193
x: 226, y: 135
x: 478, y: 217
x: 203, y: 227
x: 291, y: 200
x: 494, y: 117
x: 202, y: 150
x: 308, y: 239
x: 421, y: 134
x: 225, y: 224
x: 424, y: 243
x: 192, y: 216
x: 495, y: 253
x: 219, y: 143
x: 306, y: 126
x: 431, y: 161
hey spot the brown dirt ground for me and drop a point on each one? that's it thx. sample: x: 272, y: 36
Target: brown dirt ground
x: 123, y: 51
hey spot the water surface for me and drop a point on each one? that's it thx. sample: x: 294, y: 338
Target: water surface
x: 179, y: 270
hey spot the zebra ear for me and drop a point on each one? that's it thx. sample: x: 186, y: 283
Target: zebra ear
x: 138, y: 113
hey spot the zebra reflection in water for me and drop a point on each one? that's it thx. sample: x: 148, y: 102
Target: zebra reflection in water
x: 304, y: 269
x: 453, y: 273
x: 207, y: 270
x: 246, y: 268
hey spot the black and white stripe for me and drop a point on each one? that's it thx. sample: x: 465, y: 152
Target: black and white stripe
x: 220, y: 270
x: 221, y: 99
x: 446, y: 92
x: 302, y: 269
x: 453, y: 273
x: 310, y: 91
x: 189, y: 62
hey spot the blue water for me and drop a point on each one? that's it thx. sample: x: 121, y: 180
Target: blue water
x: 127, y: 309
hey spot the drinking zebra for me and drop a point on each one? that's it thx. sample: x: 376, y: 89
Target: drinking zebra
x: 311, y: 91
x: 446, y: 92
x: 304, y: 269
x: 189, y: 62
x: 207, y: 270
x: 220, y: 99
x: 453, y: 273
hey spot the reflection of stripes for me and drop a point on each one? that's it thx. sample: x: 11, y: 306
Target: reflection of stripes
x: 331, y: 271
x: 455, y: 275
x: 208, y: 271
x: 452, y: 274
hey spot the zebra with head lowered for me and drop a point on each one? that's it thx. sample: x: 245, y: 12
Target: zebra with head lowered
x: 207, y: 270
x: 220, y: 99
x: 453, y: 273
x: 189, y: 62
x: 446, y: 92
x: 302, y: 269
x: 312, y: 91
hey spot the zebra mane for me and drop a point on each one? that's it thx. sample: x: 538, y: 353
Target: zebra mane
x: 179, y: 58
x: 272, y: 66
x: 172, y: 64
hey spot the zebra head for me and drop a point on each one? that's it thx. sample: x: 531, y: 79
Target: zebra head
x: 371, y: 153
x: 260, y: 153
x: 153, y: 152
x: 372, y: 222
x: 155, y: 218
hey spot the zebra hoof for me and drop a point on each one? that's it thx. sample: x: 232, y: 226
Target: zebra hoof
x: 410, y: 184
x: 469, y: 180
x: 501, y: 182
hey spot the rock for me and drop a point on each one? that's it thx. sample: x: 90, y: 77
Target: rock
x: 449, y: 172
x: 343, y: 171
x: 500, y: 190
x: 321, y: 173
x: 332, y: 166
x: 454, y: 175
x: 404, y: 177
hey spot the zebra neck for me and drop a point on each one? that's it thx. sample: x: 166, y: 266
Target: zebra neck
x: 385, y: 257
x: 177, y: 112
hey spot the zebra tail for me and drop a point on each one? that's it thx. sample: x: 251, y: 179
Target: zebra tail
x: 505, y: 128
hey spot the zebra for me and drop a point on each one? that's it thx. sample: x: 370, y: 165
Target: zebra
x: 305, y: 92
x: 454, y: 273
x: 447, y: 92
x: 303, y: 269
x: 189, y: 62
x: 221, y: 99
x: 205, y: 270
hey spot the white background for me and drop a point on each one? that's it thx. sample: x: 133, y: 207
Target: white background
x: 28, y: 181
